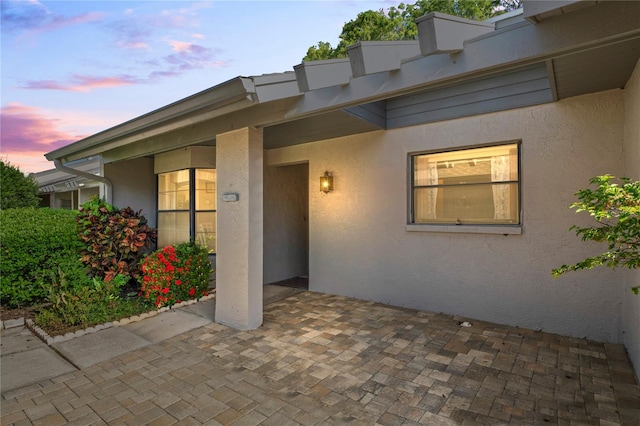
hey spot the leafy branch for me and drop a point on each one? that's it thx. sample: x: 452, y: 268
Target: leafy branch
x: 615, y: 206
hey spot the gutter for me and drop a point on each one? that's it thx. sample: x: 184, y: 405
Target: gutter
x: 228, y: 96
x: 108, y: 194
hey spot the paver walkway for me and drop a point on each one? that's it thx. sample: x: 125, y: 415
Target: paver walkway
x: 322, y: 359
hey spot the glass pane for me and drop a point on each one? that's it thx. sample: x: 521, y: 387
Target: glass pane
x: 173, y: 228
x: 173, y: 190
x: 490, y: 164
x: 206, y: 230
x: 205, y: 189
x: 467, y: 204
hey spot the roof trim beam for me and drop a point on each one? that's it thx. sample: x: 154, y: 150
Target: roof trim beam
x: 552, y: 79
x: 202, y: 132
x: 513, y: 46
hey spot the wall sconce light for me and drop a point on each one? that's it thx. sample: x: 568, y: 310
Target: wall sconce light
x: 326, y: 182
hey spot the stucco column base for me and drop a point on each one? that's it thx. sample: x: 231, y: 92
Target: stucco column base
x: 240, y: 223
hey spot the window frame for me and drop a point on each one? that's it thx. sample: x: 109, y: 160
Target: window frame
x: 192, y: 202
x: 489, y: 228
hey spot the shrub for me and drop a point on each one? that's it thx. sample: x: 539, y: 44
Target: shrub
x: 176, y: 273
x: 93, y: 302
x: 615, y: 207
x: 32, y: 242
x: 18, y: 190
x: 114, y: 240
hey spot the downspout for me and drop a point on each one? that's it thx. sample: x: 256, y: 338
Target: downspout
x: 108, y: 191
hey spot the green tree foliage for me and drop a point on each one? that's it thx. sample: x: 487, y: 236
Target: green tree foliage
x: 397, y: 23
x: 615, y: 206
x: 16, y: 189
x: 34, y: 242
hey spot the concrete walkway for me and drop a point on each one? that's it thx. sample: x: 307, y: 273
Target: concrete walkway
x: 322, y: 359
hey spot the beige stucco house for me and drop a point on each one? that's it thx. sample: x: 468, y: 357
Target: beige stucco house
x: 453, y: 158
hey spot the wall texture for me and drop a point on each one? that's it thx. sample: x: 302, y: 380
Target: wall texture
x: 631, y: 302
x: 286, y: 212
x: 134, y: 185
x: 359, y: 244
x: 239, y: 259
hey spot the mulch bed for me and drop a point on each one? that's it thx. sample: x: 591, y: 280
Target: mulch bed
x: 7, y: 313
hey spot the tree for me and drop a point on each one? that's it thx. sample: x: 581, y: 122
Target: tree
x: 16, y: 189
x: 616, y: 209
x: 397, y: 23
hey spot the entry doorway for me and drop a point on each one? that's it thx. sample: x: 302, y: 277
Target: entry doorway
x: 286, y: 225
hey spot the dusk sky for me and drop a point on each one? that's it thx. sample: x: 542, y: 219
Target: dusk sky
x: 73, y: 68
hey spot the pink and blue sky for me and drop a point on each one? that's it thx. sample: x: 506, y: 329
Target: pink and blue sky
x: 73, y: 68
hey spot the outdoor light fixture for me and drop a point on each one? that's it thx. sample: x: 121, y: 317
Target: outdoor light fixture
x: 326, y: 182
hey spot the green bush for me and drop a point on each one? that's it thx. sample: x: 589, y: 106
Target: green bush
x: 615, y: 207
x: 114, y: 240
x: 93, y: 302
x: 32, y: 242
x: 18, y: 190
x: 176, y: 273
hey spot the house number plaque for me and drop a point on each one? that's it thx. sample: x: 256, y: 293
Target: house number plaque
x: 230, y: 197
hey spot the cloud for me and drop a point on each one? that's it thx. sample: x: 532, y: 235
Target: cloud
x: 182, y: 18
x: 82, y: 83
x: 190, y: 56
x: 34, y: 17
x: 180, y: 46
x: 28, y: 131
x: 131, y: 33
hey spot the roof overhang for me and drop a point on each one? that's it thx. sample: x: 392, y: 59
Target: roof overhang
x: 227, y: 97
x: 602, y: 25
x: 333, y: 98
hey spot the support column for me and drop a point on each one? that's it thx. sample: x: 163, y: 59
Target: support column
x: 239, y: 257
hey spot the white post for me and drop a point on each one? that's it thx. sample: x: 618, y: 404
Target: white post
x: 239, y: 255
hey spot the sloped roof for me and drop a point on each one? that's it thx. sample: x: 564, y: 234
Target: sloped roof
x: 456, y: 68
x: 55, y: 180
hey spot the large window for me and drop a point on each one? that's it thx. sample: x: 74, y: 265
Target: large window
x: 478, y: 186
x: 187, y: 207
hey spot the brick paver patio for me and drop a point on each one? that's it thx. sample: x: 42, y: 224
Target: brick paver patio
x: 322, y: 359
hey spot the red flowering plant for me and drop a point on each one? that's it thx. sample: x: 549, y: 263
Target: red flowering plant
x: 175, y: 273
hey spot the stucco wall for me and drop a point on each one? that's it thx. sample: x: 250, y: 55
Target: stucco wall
x: 631, y: 302
x: 359, y: 245
x: 286, y: 204
x: 134, y: 185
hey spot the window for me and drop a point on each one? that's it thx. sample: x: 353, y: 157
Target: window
x: 187, y: 207
x: 478, y: 186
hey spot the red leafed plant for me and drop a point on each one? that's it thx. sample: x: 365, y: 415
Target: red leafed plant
x: 115, y: 240
x: 175, y: 274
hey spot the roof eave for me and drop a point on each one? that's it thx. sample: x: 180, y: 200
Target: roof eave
x: 513, y: 46
x: 231, y: 95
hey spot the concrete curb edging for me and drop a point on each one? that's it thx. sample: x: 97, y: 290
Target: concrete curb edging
x: 12, y: 323
x: 49, y: 340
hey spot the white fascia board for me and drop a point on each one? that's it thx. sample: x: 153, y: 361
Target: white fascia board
x: 234, y: 94
x: 513, y: 46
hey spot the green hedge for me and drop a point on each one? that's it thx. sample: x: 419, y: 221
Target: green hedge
x: 34, y: 242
